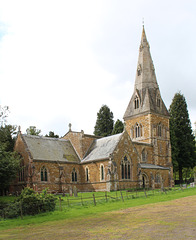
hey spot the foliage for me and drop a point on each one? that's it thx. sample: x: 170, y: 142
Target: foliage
x: 9, y: 166
x: 3, y: 114
x: 104, y: 123
x: 52, y: 135
x: 7, y: 137
x: 32, y: 130
x: 182, y: 139
x: 30, y: 203
x: 118, y: 127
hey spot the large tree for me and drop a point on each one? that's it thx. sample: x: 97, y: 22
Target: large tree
x: 118, y: 127
x: 104, y: 124
x: 9, y: 166
x: 182, y: 139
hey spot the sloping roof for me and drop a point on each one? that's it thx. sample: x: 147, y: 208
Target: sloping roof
x: 152, y: 166
x: 50, y: 149
x: 102, y: 148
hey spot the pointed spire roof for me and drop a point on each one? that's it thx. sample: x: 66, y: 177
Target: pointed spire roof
x: 146, y: 88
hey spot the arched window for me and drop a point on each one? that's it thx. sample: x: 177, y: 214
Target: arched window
x: 102, y: 172
x: 136, y: 102
x: 87, y: 176
x: 74, y: 175
x: 157, y: 178
x: 125, y: 169
x: 44, y: 174
x: 144, y: 155
x: 159, y: 130
x: 158, y: 102
x: 138, y: 130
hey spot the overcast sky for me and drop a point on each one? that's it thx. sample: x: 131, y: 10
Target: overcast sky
x: 60, y: 61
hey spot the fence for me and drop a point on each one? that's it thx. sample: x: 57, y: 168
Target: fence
x: 85, y: 199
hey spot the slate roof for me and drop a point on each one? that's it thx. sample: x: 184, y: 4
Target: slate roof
x: 50, y: 149
x: 152, y: 166
x: 102, y: 148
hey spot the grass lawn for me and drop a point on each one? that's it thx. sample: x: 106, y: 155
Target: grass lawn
x: 77, y: 211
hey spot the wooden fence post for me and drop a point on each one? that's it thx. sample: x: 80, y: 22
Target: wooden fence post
x: 60, y: 204
x: 106, y: 196
x: 145, y: 192
x: 21, y: 214
x: 121, y: 196
x: 81, y: 200
x: 94, y: 199
x: 68, y: 201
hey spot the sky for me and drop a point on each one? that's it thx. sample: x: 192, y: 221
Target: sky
x: 60, y: 61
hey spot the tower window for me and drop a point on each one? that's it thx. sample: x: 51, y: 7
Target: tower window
x: 159, y: 130
x: 138, y: 130
x: 158, y: 102
x: 136, y: 102
x: 144, y: 156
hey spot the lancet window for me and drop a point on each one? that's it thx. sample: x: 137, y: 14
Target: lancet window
x: 144, y: 155
x: 138, y: 130
x: 125, y: 168
x: 44, y: 174
x: 159, y: 130
x: 87, y: 175
x: 102, y: 172
x: 136, y: 102
x: 74, y: 175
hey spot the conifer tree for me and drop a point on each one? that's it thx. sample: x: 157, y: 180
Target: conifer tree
x: 182, y: 139
x: 118, y: 127
x: 104, y: 124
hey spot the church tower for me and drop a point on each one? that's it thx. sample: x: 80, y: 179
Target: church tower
x: 146, y: 117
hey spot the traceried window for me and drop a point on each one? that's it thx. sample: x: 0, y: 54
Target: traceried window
x: 74, y: 176
x: 125, y: 169
x: 102, y: 172
x: 44, y: 174
x: 138, y: 130
x: 136, y: 102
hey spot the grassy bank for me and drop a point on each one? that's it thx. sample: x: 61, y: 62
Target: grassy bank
x: 86, y: 208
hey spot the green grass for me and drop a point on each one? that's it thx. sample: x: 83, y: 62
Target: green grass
x: 76, y: 210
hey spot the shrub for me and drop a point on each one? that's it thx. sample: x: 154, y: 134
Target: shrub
x: 30, y: 203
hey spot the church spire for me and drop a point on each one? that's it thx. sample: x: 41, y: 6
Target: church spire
x: 145, y: 74
x: 146, y: 96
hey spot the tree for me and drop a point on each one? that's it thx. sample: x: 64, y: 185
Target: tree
x: 52, y: 135
x: 118, y: 127
x: 3, y: 114
x: 104, y: 124
x: 182, y: 139
x: 33, y: 131
x: 7, y: 137
x: 9, y: 166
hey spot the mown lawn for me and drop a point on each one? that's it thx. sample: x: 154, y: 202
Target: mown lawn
x: 80, y: 209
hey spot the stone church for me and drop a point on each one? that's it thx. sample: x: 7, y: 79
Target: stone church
x: 138, y: 157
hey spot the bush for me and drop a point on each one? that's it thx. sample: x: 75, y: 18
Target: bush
x: 30, y: 203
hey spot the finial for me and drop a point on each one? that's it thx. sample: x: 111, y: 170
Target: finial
x: 143, y: 22
x: 69, y: 127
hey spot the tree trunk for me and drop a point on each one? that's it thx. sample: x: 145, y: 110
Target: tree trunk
x: 180, y: 175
